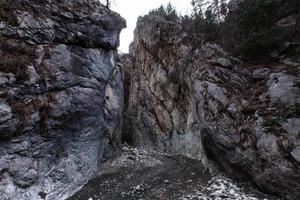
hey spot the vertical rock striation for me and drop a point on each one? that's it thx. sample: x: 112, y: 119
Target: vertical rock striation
x: 198, y: 101
x: 61, y: 96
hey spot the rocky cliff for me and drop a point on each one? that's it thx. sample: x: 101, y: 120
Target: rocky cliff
x: 63, y: 92
x: 198, y: 101
x: 61, y: 95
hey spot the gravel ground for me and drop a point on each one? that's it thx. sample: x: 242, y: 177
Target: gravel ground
x: 137, y: 174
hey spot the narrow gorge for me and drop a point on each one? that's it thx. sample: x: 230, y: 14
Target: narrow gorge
x: 174, y: 118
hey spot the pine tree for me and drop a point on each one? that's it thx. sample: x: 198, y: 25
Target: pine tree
x: 219, y: 9
x: 108, y: 3
x: 198, y: 8
x: 169, y: 12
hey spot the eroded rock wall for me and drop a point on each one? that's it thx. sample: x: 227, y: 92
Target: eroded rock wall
x: 198, y: 101
x: 61, y: 96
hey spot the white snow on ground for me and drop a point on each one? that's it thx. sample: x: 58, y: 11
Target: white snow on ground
x: 131, y: 156
x: 219, y: 188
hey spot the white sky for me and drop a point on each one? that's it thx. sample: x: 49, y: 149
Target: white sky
x: 132, y: 9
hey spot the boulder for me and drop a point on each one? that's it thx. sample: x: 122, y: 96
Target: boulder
x: 283, y: 88
x: 261, y: 73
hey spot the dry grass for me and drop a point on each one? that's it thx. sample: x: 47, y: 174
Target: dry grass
x: 26, y: 109
x: 7, y: 12
x: 24, y: 112
x: 15, y: 56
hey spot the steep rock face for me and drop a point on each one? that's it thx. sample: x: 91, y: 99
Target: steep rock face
x: 77, y: 22
x: 200, y: 102
x: 61, y: 96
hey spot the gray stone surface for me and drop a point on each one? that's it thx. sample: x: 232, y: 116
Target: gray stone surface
x: 61, y: 106
x: 292, y: 126
x: 8, y: 121
x: 223, y: 62
x: 82, y: 22
x: 296, y: 154
x: 261, y: 73
x: 182, y: 101
x: 284, y: 88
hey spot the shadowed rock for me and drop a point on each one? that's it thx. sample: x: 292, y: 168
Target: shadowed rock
x: 61, y: 95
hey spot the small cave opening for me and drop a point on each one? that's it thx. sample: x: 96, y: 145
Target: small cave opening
x: 127, y: 136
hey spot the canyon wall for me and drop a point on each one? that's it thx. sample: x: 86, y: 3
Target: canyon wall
x: 63, y: 91
x: 197, y: 100
x: 61, y: 96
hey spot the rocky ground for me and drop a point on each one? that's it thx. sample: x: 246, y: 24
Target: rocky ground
x: 142, y: 174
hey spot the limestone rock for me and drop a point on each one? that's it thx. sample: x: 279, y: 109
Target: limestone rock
x: 296, y: 154
x: 84, y: 23
x: 283, y: 88
x: 61, y: 96
x: 223, y: 62
x: 213, y: 112
x: 261, y: 73
x: 8, y: 121
x: 292, y: 126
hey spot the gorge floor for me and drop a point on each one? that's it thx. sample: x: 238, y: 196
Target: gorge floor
x: 137, y: 174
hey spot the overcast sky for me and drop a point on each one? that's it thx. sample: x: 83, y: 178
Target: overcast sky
x: 132, y: 9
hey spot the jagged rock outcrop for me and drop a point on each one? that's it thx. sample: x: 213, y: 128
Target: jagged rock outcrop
x: 201, y: 102
x: 61, y: 96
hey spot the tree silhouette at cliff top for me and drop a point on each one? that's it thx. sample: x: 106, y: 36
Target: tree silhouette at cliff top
x: 169, y: 12
x: 107, y: 3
